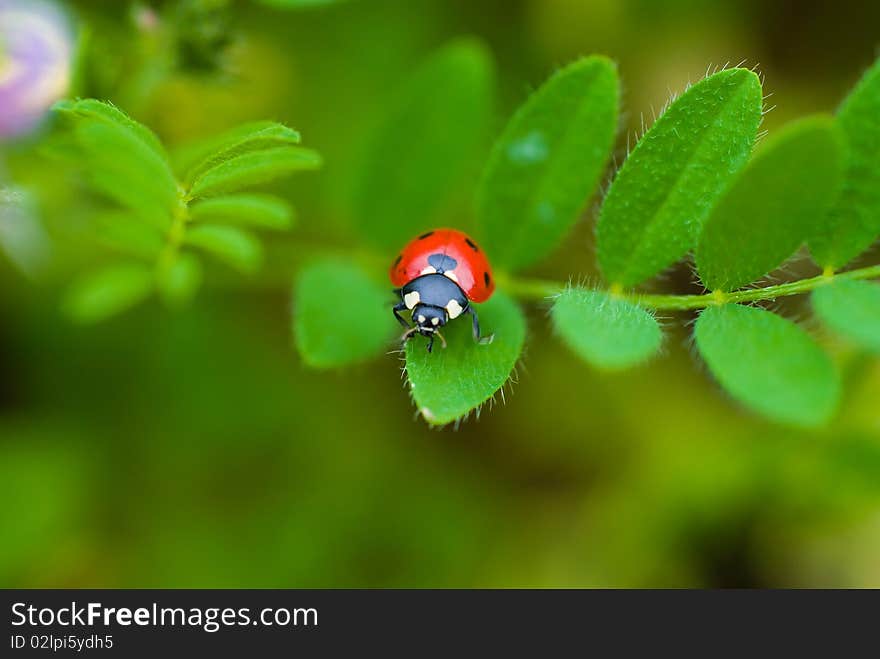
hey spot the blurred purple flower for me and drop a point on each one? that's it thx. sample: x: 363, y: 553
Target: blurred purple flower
x: 36, y: 50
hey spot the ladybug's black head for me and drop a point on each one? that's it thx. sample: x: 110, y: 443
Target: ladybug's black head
x: 428, y: 319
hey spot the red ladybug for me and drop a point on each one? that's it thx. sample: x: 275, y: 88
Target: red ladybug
x: 438, y: 275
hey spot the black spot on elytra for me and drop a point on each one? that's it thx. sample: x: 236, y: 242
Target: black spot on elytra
x: 398, y: 260
x: 486, y: 278
x: 425, y: 235
x: 472, y: 244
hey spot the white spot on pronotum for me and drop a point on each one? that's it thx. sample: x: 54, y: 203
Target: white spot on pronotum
x: 430, y: 270
x: 451, y: 274
x: 454, y: 309
x: 435, y: 321
x: 421, y: 318
x: 411, y: 299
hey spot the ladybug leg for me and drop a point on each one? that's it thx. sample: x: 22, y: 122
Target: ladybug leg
x: 430, y: 343
x: 482, y: 340
x: 400, y: 306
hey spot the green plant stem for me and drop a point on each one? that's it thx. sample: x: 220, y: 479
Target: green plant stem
x: 539, y: 288
x: 176, y: 234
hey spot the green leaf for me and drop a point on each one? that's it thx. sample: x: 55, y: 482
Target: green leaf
x: 251, y: 137
x: 852, y: 309
x: 769, y: 364
x: 328, y: 335
x: 253, y: 168
x: 108, y: 292
x: 254, y: 210
x: 607, y: 332
x: 127, y: 233
x: 119, y: 165
x: 548, y: 162
x: 448, y: 384
x: 179, y: 281
x: 426, y: 145
x: 854, y: 222
x: 775, y: 204
x: 91, y: 109
x: 656, y: 205
x: 231, y: 245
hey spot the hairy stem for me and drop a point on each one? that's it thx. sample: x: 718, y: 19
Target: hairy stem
x: 537, y: 288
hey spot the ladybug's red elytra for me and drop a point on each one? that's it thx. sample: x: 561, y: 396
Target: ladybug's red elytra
x: 438, y: 275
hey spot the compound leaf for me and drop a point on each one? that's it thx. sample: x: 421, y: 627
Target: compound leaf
x: 328, y: 335
x: 426, y: 144
x: 768, y: 363
x: 852, y: 309
x: 254, y: 210
x: 773, y: 206
x: 656, y: 205
x: 854, y: 221
x: 447, y: 384
x: 607, y: 332
x: 548, y: 162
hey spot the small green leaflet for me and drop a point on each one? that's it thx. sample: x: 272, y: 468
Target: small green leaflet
x: 253, y: 168
x: 231, y: 245
x: 259, y: 211
x: 247, y: 138
x: 426, y: 145
x: 854, y: 221
x: 91, y: 109
x: 332, y: 335
x: 852, y: 309
x: 773, y: 206
x: 178, y: 281
x: 607, y: 332
x: 108, y: 292
x: 547, y: 163
x: 769, y: 364
x: 449, y: 383
x: 656, y: 205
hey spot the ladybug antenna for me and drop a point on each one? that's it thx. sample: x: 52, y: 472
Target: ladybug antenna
x: 440, y: 336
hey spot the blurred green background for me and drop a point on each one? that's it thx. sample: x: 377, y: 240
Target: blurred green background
x: 192, y: 448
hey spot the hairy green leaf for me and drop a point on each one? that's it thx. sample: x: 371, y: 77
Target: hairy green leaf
x: 852, y: 309
x: 426, y: 144
x: 91, y: 109
x: 775, y: 204
x: 607, y: 332
x: 255, y: 210
x: 329, y: 336
x: 448, y: 384
x: 253, y: 168
x: 768, y: 363
x: 178, y: 281
x: 548, y: 162
x: 250, y: 137
x: 231, y: 245
x: 120, y: 166
x: 656, y: 205
x: 854, y: 221
x: 108, y: 292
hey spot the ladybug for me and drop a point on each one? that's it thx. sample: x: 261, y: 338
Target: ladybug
x: 438, y: 275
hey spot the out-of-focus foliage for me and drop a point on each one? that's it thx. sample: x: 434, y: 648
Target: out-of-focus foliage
x: 547, y: 163
x: 778, y: 201
x: 187, y: 445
